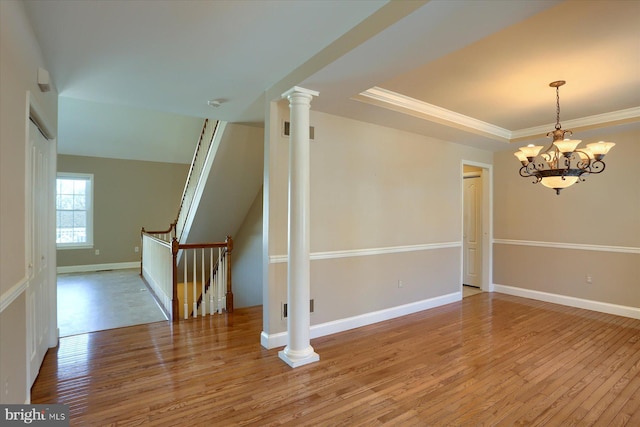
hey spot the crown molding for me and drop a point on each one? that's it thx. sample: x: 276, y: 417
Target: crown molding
x: 395, y: 101
x: 407, y: 105
x: 595, y: 121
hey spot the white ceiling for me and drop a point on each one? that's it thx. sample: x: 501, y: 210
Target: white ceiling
x: 473, y: 72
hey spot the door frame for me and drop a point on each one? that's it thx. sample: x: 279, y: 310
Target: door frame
x: 487, y: 224
x: 37, y: 113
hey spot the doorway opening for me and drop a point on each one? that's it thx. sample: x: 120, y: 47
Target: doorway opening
x: 476, y: 228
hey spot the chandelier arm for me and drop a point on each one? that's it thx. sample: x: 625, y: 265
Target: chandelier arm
x: 525, y: 173
x: 585, y: 164
x: 597, y: 166
x: 536, y: 166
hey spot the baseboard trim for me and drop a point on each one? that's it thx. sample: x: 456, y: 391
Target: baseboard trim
x: 98, y: 267
x: 279, y: 339
x: 603, y: 307
x: 156, y: 297
x: 13, y: 293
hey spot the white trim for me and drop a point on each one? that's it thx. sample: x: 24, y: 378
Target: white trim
x: 298, y: 89
x: 295, y: 362
x: 89, y: 179
x: 202, y: 180
x: 36, y: 111
x: 425, y: 109
x: 603, y: 307
x: 274, y: 259
x: 98, y: 267
x: 280, y: 339
x: 389, y: 99
x: 13, y: 293
x: 576, y: 246
x: 596, y: 120
x: 487, y: 223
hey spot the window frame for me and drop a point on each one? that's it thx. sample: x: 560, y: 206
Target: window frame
x: 88, y: 244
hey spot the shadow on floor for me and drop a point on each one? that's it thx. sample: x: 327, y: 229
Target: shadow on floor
x: 95, y: 301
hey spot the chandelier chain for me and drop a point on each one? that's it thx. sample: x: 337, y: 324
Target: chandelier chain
x: 558, y: 108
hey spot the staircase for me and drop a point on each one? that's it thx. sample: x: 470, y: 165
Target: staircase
x: 191, y: 278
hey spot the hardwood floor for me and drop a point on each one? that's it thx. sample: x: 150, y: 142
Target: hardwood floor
x: 490, y: 359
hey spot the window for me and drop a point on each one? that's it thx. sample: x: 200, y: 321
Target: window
x: 74, y: 210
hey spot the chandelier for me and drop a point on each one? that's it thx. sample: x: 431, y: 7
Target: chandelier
x: 562, y: 164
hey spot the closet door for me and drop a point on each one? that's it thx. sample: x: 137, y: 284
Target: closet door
x: 40, y: 265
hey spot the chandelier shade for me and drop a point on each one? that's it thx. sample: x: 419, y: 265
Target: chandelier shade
x: 567, y: 145
x: 563, y: 163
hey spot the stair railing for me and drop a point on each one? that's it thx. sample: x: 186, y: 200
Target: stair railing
x: 204, y: 285
x: 155, y: 268
x: 202, y: 280
x: 193, y: 177
x: 165, y: 235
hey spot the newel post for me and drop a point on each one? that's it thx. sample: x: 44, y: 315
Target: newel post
x: 229, y: 295
x: 175, y: 312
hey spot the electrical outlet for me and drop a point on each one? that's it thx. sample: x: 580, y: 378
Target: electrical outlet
x: 136, y: 249
x: 400, y: 284
x: 588, y: 279
x: 97, y: 251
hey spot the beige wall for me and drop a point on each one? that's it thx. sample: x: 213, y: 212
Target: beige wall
x: 20, y: 57
x: 371, y: 188
x: 247, y: 258
x: 602, y: 213
x: 128, y: 195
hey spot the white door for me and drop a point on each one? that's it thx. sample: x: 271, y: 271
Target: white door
x: 39, y: 286
x: 472, y: 231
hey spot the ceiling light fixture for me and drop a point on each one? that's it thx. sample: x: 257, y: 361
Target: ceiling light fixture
x: 215, y: 103
x: 562, y: 165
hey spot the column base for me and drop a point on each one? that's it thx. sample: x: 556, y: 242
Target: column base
x: 298, y: 358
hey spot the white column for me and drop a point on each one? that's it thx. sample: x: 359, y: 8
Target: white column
x: 299, y: 351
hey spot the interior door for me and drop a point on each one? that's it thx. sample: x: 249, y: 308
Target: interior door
x: 38, y: 287
x: 472, y: 231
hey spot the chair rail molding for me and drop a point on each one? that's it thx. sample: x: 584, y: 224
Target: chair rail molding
x: 275, y: 259
x: 13, y: 293
x: 578, y: 246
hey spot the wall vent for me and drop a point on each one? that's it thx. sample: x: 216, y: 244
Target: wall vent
x: 286, y: 130
x: 285, y: 309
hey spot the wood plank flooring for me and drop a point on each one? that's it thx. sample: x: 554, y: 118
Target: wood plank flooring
x: 490, y: 359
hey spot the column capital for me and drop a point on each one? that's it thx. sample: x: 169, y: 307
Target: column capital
x: 300, y: 90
